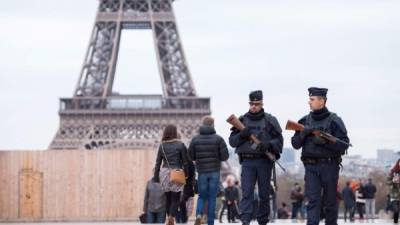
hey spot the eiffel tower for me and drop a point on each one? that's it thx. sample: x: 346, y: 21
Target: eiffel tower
x: 95, y: 118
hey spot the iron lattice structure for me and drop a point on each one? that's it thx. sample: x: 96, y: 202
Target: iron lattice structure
x: 95, y: 118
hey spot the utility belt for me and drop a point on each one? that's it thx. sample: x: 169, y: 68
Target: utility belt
x: 252, y: 156
x: 315, y: 161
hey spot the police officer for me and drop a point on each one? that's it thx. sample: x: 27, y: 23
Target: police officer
x: 321, y: 158
x: 256, y: 167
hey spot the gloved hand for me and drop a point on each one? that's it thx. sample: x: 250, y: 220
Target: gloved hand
x: 262, y: 147
x: 307, y: 131
x: 319, y: 140
x: 156, y: 179
x: 273, y: 150
x: 245, y: 133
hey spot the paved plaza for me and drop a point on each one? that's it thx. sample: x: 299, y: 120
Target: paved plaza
x: 277, y: 222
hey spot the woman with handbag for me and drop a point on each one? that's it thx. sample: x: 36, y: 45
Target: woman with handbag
x: 172, y: 153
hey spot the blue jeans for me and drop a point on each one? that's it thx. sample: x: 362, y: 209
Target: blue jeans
x: 155, y: 217
x: 208, y: 187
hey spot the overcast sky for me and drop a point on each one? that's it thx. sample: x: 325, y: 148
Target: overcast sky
x: 232, y: 47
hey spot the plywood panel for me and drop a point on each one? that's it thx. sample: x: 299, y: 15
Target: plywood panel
x: 30, y: 194
x: 76, y: 185
x: 15, y: 167
x: 4, y: 183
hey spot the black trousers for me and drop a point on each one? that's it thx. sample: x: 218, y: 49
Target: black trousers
x: 224, y: 207
x: 360, y: 209
x: 321, y: 178
x: 349, y: 209
x: 396, y: 208
x: 232, y: 212
x: 172, y: 203
x: 396, y: 217
x: 182, y: 213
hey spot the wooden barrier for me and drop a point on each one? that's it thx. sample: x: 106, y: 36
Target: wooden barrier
x: 73, y: 185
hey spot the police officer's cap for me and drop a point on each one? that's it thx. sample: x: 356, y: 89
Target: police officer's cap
x: 256, y: 96
x: 315, y: 91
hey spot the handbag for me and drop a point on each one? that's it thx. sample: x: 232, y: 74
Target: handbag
x: 143, y: 218
x: 176, y: 175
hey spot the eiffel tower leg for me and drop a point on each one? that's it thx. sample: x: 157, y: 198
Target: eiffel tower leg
x: 99, y: 65
x: 174, y: 71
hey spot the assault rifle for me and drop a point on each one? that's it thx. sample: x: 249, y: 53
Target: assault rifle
x: 291, y: 125
x: 235, y: 122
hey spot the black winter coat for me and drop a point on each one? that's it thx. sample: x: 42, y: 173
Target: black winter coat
x: 231, y: 193
x: 176, y: 154
x: 189, y: 188
x: 208, y: 150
